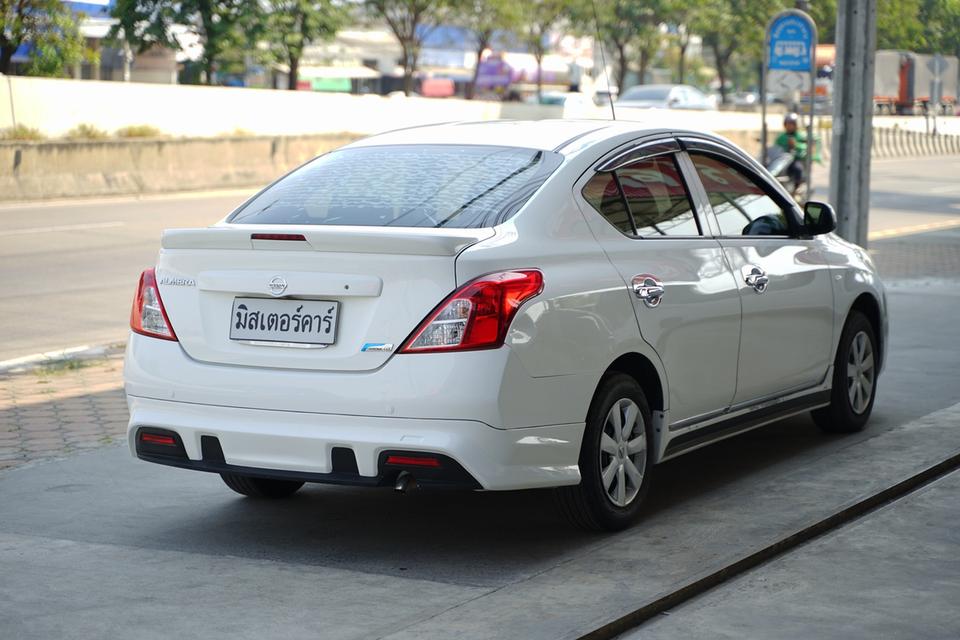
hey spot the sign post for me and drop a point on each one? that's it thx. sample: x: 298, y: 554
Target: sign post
x: 937, y: 65
x: 789, y: 63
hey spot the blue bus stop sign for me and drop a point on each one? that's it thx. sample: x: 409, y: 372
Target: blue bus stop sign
x: 790, y: 43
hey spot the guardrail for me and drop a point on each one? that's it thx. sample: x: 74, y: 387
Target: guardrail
x: 900, y: 143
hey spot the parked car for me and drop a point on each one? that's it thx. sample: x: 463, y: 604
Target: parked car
x: 665, y: 96
x: 574, y: 103
x: 498, y: 306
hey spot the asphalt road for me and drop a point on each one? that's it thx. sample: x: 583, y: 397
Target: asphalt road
x: 70, y: 268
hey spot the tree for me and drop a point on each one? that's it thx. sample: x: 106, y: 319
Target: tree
x: 58, y: 46
x: 898, y: 25
x: 616, y: 21
x: 733, y: 26
x: 941, y: 20
x: 293, y: 24
x: 680, y: 13
x: 538, y: 18
x: 49, y: 26
x: 483, y: 19
x: 411, y: 22
x: 219, y: 24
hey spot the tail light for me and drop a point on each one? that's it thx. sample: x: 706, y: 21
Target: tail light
x: 148, y: 317
x: 477, y: 315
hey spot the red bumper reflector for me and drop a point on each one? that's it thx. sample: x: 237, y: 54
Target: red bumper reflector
x: 278, y: 236
x: 410, y: 461
x: 153, y: 438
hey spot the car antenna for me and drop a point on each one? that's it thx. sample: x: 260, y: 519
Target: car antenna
x: 603, y: 58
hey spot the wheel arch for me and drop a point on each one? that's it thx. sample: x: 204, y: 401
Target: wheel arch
x: 867, y: 304
x: 641, y: 369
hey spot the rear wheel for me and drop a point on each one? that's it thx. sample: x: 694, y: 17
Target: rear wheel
x: 616, y: 459
x: 854, y: 379
x: 260, y: 487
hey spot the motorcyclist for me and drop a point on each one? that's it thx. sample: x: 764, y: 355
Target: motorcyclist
x: 794, y: 141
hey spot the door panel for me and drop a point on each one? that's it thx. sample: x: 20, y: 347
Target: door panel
x: 684, y: 296
x: 787, y: 331
x: 783, y: 280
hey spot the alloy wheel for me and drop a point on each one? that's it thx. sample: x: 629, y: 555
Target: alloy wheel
x: 623, y: 452
x: 861, y: 372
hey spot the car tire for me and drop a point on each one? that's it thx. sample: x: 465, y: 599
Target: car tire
x: 260, y: 487
x: 854, y: 383
x: 605, y: 501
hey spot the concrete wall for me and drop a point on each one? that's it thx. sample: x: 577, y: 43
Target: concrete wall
x: 43, y: 170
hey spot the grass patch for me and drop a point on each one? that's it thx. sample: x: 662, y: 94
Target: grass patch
x: 60, y: 367
x: 86, y: 132
x: 22, y: 132
x: 139, y: 131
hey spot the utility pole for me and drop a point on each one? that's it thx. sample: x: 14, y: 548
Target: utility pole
x: 853, y: 117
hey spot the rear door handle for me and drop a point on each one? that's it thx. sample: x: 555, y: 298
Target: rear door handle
x: 648, y: 288
x: 755, y: 277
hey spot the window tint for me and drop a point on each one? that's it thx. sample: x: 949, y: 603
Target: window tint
x: 405, y: 186
x: 657, y: 198
x: 741, y: 206
x: 603, y: 194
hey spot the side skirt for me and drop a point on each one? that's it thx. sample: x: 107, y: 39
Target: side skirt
x: 746, y: 420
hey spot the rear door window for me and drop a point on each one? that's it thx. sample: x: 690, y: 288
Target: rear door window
x: 647, y: 198
x: 457, y: 186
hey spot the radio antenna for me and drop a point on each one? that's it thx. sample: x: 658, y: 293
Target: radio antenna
x: 603, y: 58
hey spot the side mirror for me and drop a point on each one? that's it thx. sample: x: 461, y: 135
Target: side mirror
x: 819, y: 218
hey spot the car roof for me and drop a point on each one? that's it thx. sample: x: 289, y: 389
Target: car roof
x: 531, y: 134
x: 548, y: 135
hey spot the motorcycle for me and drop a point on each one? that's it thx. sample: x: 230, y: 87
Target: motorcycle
x: 778, y: 164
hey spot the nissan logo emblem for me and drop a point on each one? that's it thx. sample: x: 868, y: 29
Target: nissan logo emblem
x: 277, y: 285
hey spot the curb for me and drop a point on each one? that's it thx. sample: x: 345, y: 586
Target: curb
x: 82, y: 352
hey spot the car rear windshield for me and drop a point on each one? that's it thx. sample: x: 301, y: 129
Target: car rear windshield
x: 456, y: 186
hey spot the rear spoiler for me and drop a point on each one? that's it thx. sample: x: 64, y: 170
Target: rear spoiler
x: 391, y: 240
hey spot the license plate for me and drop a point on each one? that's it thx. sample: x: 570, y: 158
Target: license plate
x: 291, y: 321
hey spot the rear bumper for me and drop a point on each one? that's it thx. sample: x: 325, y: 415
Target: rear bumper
x: 298, y: 445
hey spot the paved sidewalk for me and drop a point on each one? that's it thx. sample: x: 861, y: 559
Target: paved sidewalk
x: 891, y: 574
x: 58, y: 409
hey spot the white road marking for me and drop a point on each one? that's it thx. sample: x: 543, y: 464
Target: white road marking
x: 63, y: 227
x: 945, y: 188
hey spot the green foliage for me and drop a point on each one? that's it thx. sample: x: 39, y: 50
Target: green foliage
x: 293, y: 24
x: 86, y: 132
x: 58, y: 47
x: 731, y: 27
x: 52, y: 29
x: 22, y: 132
x: 483, y: 19
x: 221, y: 26
x: 537, y: 19
x: 139, y: 131
x: 410, y: 21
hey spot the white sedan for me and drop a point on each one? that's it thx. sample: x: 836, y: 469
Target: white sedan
x: 501, y: 305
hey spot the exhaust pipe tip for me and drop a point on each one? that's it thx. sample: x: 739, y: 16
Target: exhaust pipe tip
x: 405, y: 482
